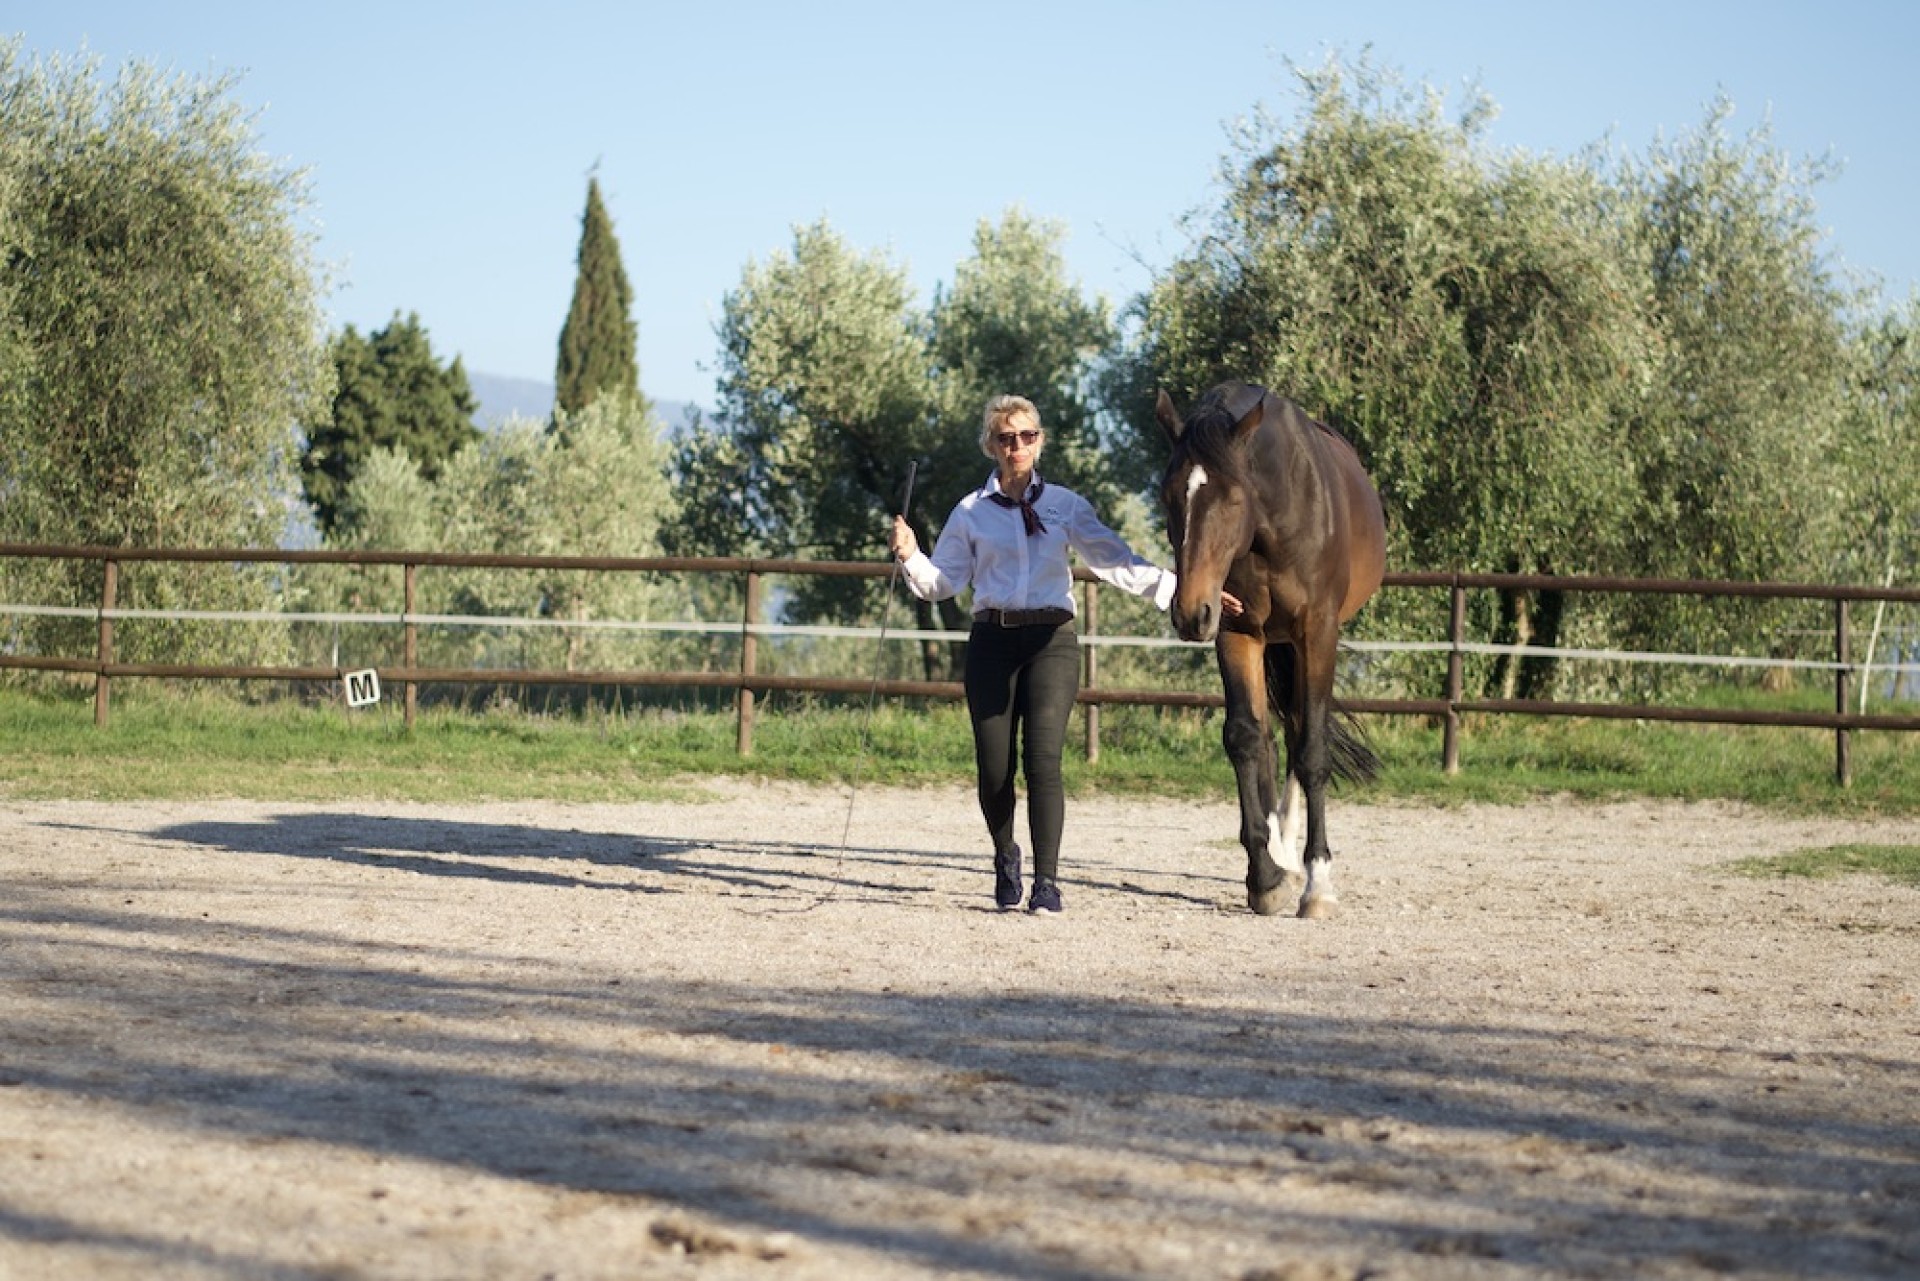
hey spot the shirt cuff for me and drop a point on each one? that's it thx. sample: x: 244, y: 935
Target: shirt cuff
x: 1163, y: 594
x: 921, y: 572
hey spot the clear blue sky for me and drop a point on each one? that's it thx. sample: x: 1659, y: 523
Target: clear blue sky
x: 449, y: 144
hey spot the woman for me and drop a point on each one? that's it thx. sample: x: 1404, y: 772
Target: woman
x: 1009, y: 540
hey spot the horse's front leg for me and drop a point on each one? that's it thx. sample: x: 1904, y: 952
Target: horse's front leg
x: 1249, y: 743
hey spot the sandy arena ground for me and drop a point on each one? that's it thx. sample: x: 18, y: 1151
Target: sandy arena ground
x: 719, y: 1040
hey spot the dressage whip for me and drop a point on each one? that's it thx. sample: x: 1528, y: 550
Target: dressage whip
x: 873, y: 690
x: 866, y: 726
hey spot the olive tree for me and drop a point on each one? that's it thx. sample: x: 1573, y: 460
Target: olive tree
x: 1878, y: 489
x: 833, y: 381
x: 1014, y: 322
x: 162, y: 329
x: 1878, y: 448
x: 826, y: 393
x: 1467, y: 319
x: 1739, y: 437
x: 597, y: 486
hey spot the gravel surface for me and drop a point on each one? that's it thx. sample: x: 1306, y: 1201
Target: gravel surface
x: 783, y: 1034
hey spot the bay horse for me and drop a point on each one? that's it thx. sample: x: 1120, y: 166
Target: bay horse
x: 1277, y: 509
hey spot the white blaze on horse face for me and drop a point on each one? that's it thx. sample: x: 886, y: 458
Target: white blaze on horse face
x: 1196, y: 477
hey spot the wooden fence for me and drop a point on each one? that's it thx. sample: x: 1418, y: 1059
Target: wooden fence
x: 747, y: 680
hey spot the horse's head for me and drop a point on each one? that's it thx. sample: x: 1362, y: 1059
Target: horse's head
x: 1209, y: 506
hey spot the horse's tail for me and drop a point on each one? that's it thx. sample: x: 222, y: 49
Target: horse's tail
x: 1354, y: 759
x: 1352, y: 755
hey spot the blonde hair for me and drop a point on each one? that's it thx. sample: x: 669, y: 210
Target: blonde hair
x: 1002, y: 410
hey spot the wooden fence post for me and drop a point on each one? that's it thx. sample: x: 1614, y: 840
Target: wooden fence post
x: 1842, y: 737
x: 749, y: 647
x: 1456, y: 680
x: 410, y: 640
x: 109, y: 587
x: 1091, y: 616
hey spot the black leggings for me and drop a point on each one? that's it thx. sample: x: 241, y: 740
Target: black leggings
x: 1021, y: 683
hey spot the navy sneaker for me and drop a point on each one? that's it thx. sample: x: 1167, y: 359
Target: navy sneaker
x: 1045, y: 898
x: 1006, y: 879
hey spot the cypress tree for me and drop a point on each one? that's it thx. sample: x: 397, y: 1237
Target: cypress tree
x: 599, y: 343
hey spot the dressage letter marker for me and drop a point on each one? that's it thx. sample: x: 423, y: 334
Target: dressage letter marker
x: 363, y: 688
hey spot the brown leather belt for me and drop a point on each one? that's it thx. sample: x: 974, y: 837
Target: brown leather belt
x: 1024, y: 617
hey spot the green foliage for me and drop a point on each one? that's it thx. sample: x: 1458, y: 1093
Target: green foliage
x: 599, y: 343
x: 1014, y: 322
x: 15, y: 346
x: 1513, y: 759
x: 595, y: 487
x: 1552, y: 366
x: 1745, y: 404
x: 391, y: 393
x: 1876, y: 448
x: 1465, y: 319
x: 1427, y: 303
x: 1899, y: 863
x: 163, y: 743
x: 162, y: 295
x: 1737, y: 441
x: 161, y: 335
x: 833, y: 381
x: 825, y: 396
x: 191, y: 744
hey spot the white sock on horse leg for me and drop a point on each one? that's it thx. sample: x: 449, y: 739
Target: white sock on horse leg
x: 1285, y: 829
x: 1319, y: 883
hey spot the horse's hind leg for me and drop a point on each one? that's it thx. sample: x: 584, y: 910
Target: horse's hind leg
x: 1314, y: 767
x: 1287, y: 822
x: 1288, y: 827
x: 1249, y: 744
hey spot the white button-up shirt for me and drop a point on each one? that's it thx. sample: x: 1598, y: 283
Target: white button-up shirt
x: 986, y: 546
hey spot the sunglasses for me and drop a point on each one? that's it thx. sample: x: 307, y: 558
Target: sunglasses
x: 1005, y: 439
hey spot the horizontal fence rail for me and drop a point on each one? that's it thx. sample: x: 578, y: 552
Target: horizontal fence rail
x: 746, y: 680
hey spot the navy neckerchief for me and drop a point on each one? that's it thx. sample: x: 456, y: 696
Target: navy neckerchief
x: 1029, y: 517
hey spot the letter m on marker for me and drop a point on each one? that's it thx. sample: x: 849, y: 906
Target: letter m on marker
x: 363, y: 687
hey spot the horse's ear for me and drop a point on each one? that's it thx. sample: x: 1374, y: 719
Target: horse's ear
x: 1246, y: 426
x: 1169, y: 416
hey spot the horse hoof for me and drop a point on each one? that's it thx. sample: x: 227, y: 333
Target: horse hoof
x: 1319, y: 907
x: 1273, y: 900
x: 1268, y: 902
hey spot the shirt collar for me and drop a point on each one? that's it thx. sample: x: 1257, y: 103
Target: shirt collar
x: 993, y: 484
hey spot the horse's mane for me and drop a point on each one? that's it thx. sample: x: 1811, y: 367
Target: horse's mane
x: 1211, y: 441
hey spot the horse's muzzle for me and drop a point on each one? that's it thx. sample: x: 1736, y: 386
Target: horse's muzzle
x: 1201, y: 623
